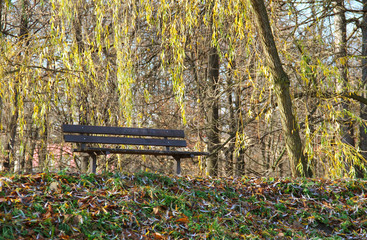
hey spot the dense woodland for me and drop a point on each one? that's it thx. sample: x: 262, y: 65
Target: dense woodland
x: 269, y: 88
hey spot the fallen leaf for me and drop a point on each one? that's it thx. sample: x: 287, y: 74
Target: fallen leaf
x: 157, y: 236
x: 184, y: 219
x: 156, y: 210
x: 55, y: 187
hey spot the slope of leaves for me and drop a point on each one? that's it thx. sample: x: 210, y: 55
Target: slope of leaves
x: 152, y: 206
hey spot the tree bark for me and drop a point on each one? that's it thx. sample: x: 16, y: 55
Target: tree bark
x: 233, y: 122
x: 213, y: 108
x: 340, y: 35
x: 2, y: 161
x: 341, y: 54
x: 363, y: 107
x: 83, y: 115
x: 213, y: 130
x: 281, y: 83
x: 10, y: 143
x: 33, y: 145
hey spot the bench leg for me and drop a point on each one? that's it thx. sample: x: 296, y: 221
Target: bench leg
x: 178, y: 165
x: 93, y: 163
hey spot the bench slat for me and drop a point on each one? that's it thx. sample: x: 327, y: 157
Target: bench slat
x: 102, y: 151
x: 124, y: 141
x: 123, y: 131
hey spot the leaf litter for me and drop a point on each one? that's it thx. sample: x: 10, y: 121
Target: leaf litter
x: 152, y: 206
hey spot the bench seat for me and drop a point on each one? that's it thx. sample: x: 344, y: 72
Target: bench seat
x: 86, y: 137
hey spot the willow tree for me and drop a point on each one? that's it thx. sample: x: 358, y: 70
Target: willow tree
x: 15, y: 86
x: 142, y: 63
x: 346, y: 123
x: 89, y: 39
x: 24, y: 79
x: 115, y: 43
x: 322, y: 97
x: 281, y: 82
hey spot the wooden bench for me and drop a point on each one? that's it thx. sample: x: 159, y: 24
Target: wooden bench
x: 99, y: 140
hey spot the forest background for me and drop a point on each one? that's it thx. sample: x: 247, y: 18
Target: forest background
x: 289, y: 100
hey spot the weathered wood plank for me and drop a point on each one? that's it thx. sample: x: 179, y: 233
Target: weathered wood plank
x: 103, y: 151
x: 123, y: 131
x: 124, y: 140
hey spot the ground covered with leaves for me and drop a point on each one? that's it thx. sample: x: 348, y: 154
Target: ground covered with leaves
x: 153, y: 206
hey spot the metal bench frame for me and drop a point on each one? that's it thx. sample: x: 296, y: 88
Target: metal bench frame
x: 87, y: 137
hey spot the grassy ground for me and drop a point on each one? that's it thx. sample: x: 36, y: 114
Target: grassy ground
x: 152, y: 206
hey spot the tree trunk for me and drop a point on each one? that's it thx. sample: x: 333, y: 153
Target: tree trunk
x: 2, y: 161
x: 346, y: 125
x: 281, y: 85
x: 42, y: 153
x: 229, y: 154
x: 341, y: 54
x: 33, y: 145
x: 83, y: 115
x: 363, y: 107
x: 1, y: 18
x: 213, y: 108
x: 213, y: 129
x: 10, y: 143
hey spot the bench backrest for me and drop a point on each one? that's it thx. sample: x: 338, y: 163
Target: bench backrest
x: 123, y: 136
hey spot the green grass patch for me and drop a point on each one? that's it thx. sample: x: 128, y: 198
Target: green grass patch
x: 153, y: 206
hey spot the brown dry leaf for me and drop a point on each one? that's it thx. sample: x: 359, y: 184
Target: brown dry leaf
x: 65, y: 237
x: 184, y: 219
x: 49, y: 208
x: 157, y: 236
x: 48, y: 213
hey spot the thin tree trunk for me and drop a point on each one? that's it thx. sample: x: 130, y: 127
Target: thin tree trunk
x: 42, y: 156
x: 240, y: 160
x: 213, y: 130
x: 83, y: 115
x: 213, y: 109
x: 346, y: 126
x: 232, y: 129
x: 341, y: 54
x: 1, y: 17
x: 33, y: 141
x: 2, y: 161
x: 363, y: 107
x: 281, y: 83
x: 23, y: 36
x: 10, y: 144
